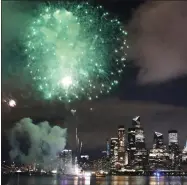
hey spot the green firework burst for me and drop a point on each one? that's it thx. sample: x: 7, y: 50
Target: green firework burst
x: 75, y: 51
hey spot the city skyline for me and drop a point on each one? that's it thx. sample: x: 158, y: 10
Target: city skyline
x: 166, y: 140
x: 129, y: 151
x: 126, y: 150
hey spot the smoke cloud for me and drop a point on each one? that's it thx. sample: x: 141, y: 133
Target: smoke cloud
x: 36, y: 143
x: 158, y: 40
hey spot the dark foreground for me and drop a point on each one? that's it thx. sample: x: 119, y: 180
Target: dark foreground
x: 109, y: 180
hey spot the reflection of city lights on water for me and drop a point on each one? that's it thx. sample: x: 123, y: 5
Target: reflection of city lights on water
x: 87, y: 180
x: 77, y: 170
x: 120, y: 180
x: 54, y: 182
x: 140, y: 180
x: 157, y: 174
x: 154, y: 180
x: 75, y: 181
x: 64, y: 182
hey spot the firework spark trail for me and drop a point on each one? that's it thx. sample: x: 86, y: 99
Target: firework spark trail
x: 81, y: 147
x: 94, y: 40
x: 69, y: 51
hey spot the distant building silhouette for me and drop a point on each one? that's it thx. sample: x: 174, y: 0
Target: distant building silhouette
x: 158, y: 155
x: 121, y: 146
x: 173, y: 146
x: 114, y: 152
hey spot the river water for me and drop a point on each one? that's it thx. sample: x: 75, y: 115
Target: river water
x: 111, y: 180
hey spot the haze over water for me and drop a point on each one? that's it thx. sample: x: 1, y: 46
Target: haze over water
x: 115, y: 180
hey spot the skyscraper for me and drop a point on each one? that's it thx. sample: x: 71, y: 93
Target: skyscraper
x: 114, y: 152
x: 140, y: 153
x: 107, y: 148
x: 66, y: 155
x: 66, y: 160
x: 174, y: 154
x: 173, y: 137
x: 184, y: 154
x: 158, y: 140
x: 136, y: 133
x: 158, y: 155
x: 131, y: 147
x: 136, y: 122
x: 121, y: 144
x: 139, y: 138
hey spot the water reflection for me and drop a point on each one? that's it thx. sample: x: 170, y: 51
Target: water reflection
x: 75, y: 181
x: 128, y: 180
x: 110, y: 180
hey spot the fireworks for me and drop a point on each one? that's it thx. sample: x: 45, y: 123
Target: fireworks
x: 75, y: 51
x: 12, y: 103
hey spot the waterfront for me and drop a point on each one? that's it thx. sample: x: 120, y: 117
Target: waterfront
x: 110, y: 180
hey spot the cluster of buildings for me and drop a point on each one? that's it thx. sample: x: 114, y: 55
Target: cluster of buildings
x: 128, y: 150
x: 63, y: 163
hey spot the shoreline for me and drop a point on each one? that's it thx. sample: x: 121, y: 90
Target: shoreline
x: 147, y: 174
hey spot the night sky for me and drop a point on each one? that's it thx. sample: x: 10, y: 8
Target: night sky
x: 162, y: 106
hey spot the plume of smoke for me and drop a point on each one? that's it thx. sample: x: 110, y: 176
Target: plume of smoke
x: 36, y: 143
x: 158, y: 39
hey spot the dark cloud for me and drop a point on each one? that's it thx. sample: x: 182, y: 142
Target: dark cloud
x: 158, y: 40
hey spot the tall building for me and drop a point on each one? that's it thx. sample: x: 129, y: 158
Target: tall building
x: 137, y: 133
x: 107, y: 148
x: 158, y: 155
x: 173, y: 137
x: 158, y: 140
x: 84, y: 162
x: 121, y: 145
x: 66, y: 160
x: 184, y: 154
x: 66, y: 155
x: 131, y: 146
x: 139, y: 138
x: 136, y: 122
x: 174, y: 154
x: 113, y: 152
x: 140, y: 154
